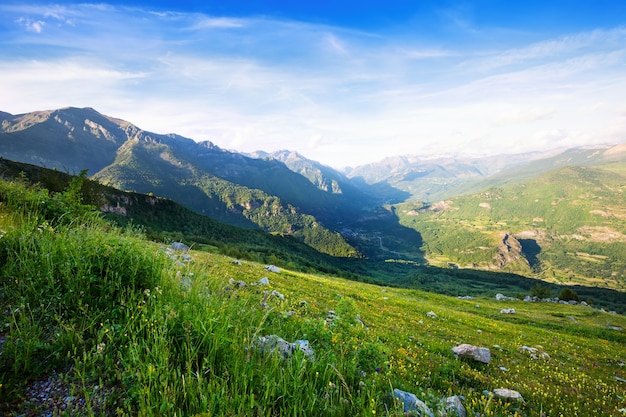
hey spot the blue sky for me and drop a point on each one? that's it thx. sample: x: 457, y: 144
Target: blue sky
x: 341, y: 82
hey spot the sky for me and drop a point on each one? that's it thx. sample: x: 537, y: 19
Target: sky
x: 342, y: 82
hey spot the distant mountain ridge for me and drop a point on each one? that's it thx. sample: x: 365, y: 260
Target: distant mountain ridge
x: 342, y: 213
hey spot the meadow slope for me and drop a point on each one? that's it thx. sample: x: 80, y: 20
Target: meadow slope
x: 113, y: 324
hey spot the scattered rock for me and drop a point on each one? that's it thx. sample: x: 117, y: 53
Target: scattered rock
x: 236, y: 262
x: 179, y: 246
x: 507, y: 394
x: 273, y: 268
x: 465, y: 297
x: 616, y: 328
x: 502, y: 297
x: 479, y: 354
x: 273, y: 343
x: 235, y: 284
x: 431, y: 314
x: 277, y: 294
x: 535, y: 353
x: 264, y: 281
x: 454, y: 405
x: 618, y: 379
x: 412, y: 404
x: 507, y: 311
x: 503, y: 369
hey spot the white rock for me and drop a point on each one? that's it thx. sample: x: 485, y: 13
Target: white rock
x: 273, y: 268
x: 479, y: 354
x: 507, y: 394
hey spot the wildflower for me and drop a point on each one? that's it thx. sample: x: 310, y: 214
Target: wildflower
x: 146, y: 292
x: 100, y: 348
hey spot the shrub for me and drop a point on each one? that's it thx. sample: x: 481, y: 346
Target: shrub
x: 567, y: 294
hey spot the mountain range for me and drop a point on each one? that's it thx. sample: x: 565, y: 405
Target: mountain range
x: 407, y: 208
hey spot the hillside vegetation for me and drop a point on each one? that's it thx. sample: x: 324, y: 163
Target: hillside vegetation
x: 99, y: 321
x: 566, y: 226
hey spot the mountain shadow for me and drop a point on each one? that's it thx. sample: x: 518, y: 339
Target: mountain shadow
x: 531, y: 250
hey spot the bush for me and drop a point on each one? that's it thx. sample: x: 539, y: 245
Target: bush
x: 567, y: 294
x: 540, y: 291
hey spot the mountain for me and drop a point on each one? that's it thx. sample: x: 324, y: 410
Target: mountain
x: 414, y: 178
x: 224, y: 185
x: 566, y: 225
x: 323, y: 177
x: 350, y: 214
x: 411, y: 177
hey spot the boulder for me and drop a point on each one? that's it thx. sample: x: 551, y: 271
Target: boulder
x: 507, y: 394
x: 180, y: 246
x: 431, y: 314
x: 507, y: 311
x: 455, y: 406
x: 275, y: 344
x: 411, y: 404
x: 479, y: 354
x: 502, y: 297
x: 264, y: 281
x: 273, y: 268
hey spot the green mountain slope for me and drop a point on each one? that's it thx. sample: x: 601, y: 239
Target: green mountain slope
x: 224, y: 185
x: 568, y: 226
x: 99, y: 321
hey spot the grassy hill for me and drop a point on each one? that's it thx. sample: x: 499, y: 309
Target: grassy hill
x: 99, y: 321
x: 567, y: 225
x: 391, y: 260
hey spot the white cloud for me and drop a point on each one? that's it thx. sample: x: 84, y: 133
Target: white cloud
x: 342, y: 97
x: 31, y: 25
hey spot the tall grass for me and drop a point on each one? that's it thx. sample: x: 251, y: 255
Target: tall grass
x: 135, y: 328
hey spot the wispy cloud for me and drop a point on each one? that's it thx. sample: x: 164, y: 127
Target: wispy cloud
x: 33, y: 26
x: 337, y: 95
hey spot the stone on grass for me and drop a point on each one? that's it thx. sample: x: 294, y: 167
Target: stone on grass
x: 411, y: 404
x: 507, y: 311
x: 277, y: 294
x: 454, y: 405
x: 275, y: 344
x: 180, y: 246
x: 507, y: 394
x: 264, y: 281
x: 273, y: 268
x: 479, y: 354
x: 431, y: 314
x: 535, y: 353
x: 235, y: 284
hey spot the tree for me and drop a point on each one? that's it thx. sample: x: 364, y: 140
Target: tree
x: 567, y: 294
x: 540, y: 291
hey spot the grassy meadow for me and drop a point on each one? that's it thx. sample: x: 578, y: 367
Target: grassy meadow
x: 125, y: 326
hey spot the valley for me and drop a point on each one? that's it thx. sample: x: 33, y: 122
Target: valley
x: 175, y: 278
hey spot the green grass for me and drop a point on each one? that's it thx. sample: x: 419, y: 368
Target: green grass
x: 160, y: 333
